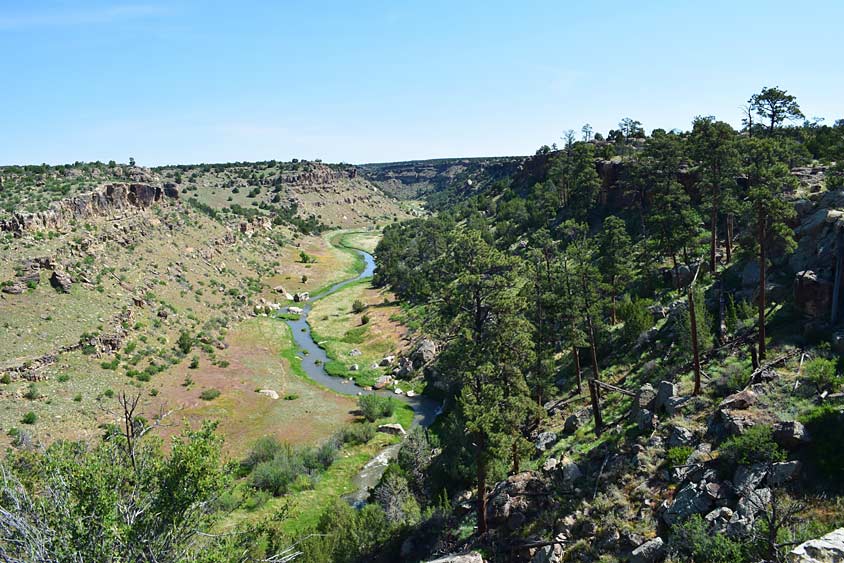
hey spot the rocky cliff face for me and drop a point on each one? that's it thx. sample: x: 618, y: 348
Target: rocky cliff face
x: 107, y: 201
x: 408, y: 180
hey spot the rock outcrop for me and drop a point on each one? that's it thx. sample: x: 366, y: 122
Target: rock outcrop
x: 827, y: 549
x: 105, y: 202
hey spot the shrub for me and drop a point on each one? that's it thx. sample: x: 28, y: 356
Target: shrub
x: 29, y: 418
x: 291, y: 397
x: 335, y: 368
x: 637, y: 319
x: 374, y: 406
x: 185, y: 342
x: 6, y: 379
x: 756, y: 445
x: 364, y: 320
x: 77, y: 398
x: 822, y: 373
x: 32, y: 392
x: 691, y: 542
x: 678, y: 456
x: 357, y: 434
x: 209, y: 394
x: 194, y: 362
x: 108, y: 393
x: 358, y: 306
x: 264, y: 449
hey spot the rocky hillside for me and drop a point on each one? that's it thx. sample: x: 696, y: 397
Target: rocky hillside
x: 335, y: 195
x: 439, y: 180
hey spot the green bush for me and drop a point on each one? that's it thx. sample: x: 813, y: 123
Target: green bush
x: 691, y: 541
x: 29, y: 418
x: 194, y: 362
x: 756, y: 445
x: 335, y: 368
x: 374, y: 406
x: 209, y: 394
x: 357, y: 434
x: 32, y: 392
x: 358, y: 306
x: 264, y: 449
x: 678, y: 456
x: 822, y: 373
x: 637, y: 319
x: 185, y: 342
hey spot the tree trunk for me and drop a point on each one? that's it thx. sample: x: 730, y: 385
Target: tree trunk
x: 576, y: 356
x: 729, y: 245
x: 613, y: 318
x: 515, y: 453
x: 713, y: 227
x: 722, y: 306
x: 596, y: 407
x: 762, y: 259
x: 695, y: 353
x: 481, y: 463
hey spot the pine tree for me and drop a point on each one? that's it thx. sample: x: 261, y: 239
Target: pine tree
x: 615, y: 259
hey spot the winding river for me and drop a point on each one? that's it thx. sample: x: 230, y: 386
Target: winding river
x: 313, y: 362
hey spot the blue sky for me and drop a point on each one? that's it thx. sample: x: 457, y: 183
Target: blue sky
x: 368, y: 81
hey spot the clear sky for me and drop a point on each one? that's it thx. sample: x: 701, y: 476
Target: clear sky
x: 178, y: 81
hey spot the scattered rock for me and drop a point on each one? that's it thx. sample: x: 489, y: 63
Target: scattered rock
x: 576, y: 420
x: 746, y: 479
x: 548, y: 554
x: 269, y: 393
x: 812, y: 294
x: 674, y: 404
x: 61, y: 281
x: 718, y: 519
x: 569, y: 470
x: 424, y: 354
x: 295, y: 310
x: 354, y: 367
x: 354, y: 352
x: 680, y: 437
x: 550, y: 464
x: 545, y: 440
x: 665, y: 390
x: 394, y: 428
x: 827, y: 549
x: 690, y: 500
x: 383, y: 381
x: 739, y: 401
x: 648, y: 552
x: 783, y: 472
x: 791, y: 434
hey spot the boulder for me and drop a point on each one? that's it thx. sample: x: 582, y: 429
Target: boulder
x: 827, y: 549
x: 295, y: 310
x: 545, y: 440
x: 646, y: 420
x: 387, y: 361
x: 784, y: 471
x: 61, y: 281
x: 395, y: 429
x: 680, y: 437
x: 726, y: 423
x: 674, y: 404
x: 648, y: 552
x: 470, y: 557
x: 739, y: 401
x: 753, y: 503
x: 812, y: 294
x: 747, y: 478
x: 548, y: 554
x: 791, y: 434
x: 14, y: 288
x: 576, y: 420
x: 550, y: 464
x: 569, y: 470
x: 665, y: 390
x: 424, y: 354
x: 526, y: 493
x: 718, y: 519
x: 269, y: 393
x: 383, y: 381
x: 689, y: 500
x: 645, y: 397
x: 750, y: 274
x: 354, y: 352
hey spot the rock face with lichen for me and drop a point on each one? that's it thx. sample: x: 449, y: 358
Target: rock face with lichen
x: 827, y: 549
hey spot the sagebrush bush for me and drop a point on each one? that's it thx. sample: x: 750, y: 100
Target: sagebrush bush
x: 374, y: 406
x: 357, y: 434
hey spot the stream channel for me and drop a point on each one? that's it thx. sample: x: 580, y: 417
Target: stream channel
x: 314, y: 359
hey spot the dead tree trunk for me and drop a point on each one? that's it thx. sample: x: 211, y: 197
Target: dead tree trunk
x: 577, y: 368
x: 481, y: 475
x: 596, y: 407
x: 693, y: 323
x: 729, y: 241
